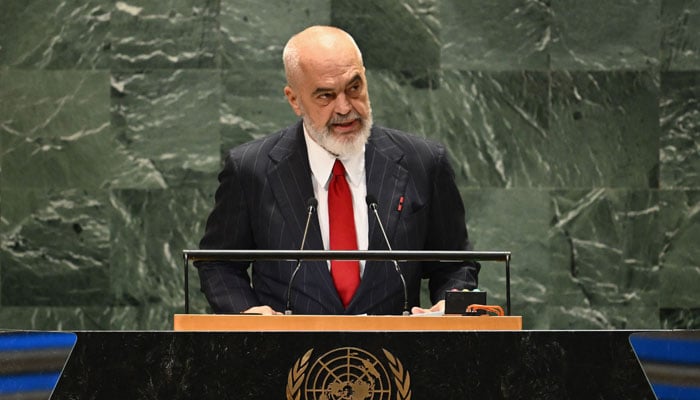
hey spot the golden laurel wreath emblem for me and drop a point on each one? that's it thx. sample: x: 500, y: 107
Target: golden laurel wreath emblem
x: 348, y: 373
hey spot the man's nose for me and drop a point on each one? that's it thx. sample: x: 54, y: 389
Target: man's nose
x: 342, y: 104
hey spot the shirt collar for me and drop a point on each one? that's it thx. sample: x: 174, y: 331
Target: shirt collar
x: 321, y: 163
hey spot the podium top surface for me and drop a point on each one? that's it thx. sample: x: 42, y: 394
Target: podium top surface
x: 353, y: 323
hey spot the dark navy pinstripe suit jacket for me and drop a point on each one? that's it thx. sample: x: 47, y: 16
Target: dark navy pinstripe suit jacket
x: 261, y: 204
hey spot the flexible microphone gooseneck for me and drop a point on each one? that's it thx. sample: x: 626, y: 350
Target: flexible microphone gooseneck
x: 372, y: 204
x: 311, y: 204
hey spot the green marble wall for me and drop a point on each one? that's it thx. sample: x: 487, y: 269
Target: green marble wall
x: 574, y: 128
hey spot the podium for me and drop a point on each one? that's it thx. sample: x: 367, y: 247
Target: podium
x: 359, y: 357
x: 372, y: 357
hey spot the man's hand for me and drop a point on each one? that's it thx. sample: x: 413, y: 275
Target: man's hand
x: 262, y: 310
x: 439, y: 306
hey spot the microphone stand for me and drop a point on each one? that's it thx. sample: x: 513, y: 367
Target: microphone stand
x: 311, y: 204
x: 372, y: 203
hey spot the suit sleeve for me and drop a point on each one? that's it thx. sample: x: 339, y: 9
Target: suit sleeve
x: 447, y: 230
x: 226, y: 285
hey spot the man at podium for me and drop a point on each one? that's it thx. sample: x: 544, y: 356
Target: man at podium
x: 329, y: 172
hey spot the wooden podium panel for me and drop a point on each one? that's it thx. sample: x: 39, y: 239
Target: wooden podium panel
x: 346, y: 323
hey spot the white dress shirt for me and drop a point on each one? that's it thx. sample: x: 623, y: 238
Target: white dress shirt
x: 321, y: 163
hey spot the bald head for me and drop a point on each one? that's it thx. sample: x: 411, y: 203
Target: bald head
x: 318, y: 44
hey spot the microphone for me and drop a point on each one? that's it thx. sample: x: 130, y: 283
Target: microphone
x: 311, y: 204
x: 372, y: 204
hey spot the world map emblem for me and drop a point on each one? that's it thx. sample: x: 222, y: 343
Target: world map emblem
x: 348, y: 373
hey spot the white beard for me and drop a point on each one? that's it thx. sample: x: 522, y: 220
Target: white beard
x: 341, y: 146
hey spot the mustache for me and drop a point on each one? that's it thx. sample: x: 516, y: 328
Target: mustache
x: 345, y: 118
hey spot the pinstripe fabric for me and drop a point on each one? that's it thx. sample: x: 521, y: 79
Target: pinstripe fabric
x: 260, y: 204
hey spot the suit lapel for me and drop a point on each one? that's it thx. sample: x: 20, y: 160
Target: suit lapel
x: 290, y: 182
x: 386, y: 180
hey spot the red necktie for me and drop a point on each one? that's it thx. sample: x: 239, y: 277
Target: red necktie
x: 346, y: 273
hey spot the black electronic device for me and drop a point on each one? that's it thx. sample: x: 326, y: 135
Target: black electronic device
x: 456, y: 302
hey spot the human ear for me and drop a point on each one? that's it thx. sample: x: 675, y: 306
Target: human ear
x: 292, y: 99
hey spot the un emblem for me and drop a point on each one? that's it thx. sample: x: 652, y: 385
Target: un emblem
x: 348, y: 373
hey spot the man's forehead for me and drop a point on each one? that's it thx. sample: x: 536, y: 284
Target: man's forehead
x: 333, y: 84
x: 333, y: 75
